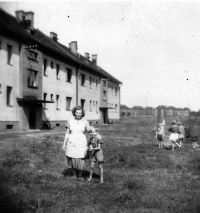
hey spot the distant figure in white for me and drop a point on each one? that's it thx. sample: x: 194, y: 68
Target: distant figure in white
x: 174, y: 129
x: 75, y: 142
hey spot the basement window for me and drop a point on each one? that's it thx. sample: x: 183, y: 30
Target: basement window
x: 58, y: 124
x: 9, y: 126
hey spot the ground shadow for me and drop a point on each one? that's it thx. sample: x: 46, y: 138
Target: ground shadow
x: 68, y: 173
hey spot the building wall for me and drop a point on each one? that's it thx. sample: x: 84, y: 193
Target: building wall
x: 60, y: 86
x: 9, y: 77
x: 113, y: 101
x: 89, y: 93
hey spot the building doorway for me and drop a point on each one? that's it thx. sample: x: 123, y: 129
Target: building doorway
x: 32, y: 116
x: 104, y: 116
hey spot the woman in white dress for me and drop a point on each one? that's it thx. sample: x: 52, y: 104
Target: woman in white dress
x: 75, y: 143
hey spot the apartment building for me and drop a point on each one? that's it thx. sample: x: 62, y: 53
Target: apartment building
x: 42, y: 80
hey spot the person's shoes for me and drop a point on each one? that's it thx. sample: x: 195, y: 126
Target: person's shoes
x: 89, y: 179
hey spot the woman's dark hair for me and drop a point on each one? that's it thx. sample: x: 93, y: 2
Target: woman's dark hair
x: 78, y: 108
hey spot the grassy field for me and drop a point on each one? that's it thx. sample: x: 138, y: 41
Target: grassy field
x: 139, y: 177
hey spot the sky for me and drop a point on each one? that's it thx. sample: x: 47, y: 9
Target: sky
x: 152, y: 47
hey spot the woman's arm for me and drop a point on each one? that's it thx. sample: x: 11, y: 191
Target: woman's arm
x: 66, y: 139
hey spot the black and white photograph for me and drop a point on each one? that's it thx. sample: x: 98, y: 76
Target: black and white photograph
x: 100, y: 106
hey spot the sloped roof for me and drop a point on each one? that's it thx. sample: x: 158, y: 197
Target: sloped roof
x: 11, y: 24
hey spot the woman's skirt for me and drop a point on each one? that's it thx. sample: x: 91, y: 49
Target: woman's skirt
x: 76, y: 163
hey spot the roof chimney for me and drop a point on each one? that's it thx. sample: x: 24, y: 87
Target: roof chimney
x: 94, y: 59
x: 74, y: 47
x: 20, y: 15
x: 53, y: 36
x: 30, y: 17
x: 87, y: 55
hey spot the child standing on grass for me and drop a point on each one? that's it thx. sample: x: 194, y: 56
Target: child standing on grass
x: 95, y: 146
x: 159, y: 137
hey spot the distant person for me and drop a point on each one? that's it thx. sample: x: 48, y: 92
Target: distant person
x: 174, y: 129
x: 96, y: 149
x: 181, y: 134
x: 75, y: 142
x: 159, y: 136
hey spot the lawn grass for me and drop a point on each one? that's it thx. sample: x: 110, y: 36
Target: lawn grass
x: 139, y: 177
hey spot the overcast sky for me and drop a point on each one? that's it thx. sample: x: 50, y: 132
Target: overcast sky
x: 153, y: 47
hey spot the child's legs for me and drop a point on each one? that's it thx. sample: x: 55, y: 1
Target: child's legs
x: 100, y: 165
x: 92, y: 165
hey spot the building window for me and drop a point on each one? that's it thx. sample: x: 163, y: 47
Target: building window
x: 83, y: 104
x: 51, y: 97
x: 69, y: 74
x: 9, y: 48
x: 94, y: 104
x: 45, y: 97
x: 9, y: 96
x: 9, y: 126
x: 82, y: 80
x: 115, y: 107
x: 104, y: 95
x: 104, y: 82
x: 68, y: 103
x: 52, y: 65
x: 96, y: 84
x: 90, y: 106
x: 0, y: 89
x: 57, y: 71
x: 32, y: 55
x: 112, y: 89
x: 32, y: 78
x: 45, y: 67
x: 97, y: 107
x: 90, y: 82
x: 116, y: 91
x: 0, y: 45
x: 57, y: 102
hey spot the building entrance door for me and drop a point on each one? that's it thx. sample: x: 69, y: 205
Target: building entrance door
x: 32, y: 116
x: 104, y: 116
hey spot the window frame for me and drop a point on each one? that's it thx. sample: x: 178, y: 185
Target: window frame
x: 104, y: 95
x: 57, y: 102
x: 29, y: 76
x: 83, y: 103
x: 68, y: 71
x: 57, y: 71
x: 45, y: 63
x: 29, y: 55
x: 83, y: 77
x: 68, y: 103
x: 9, y: 98
x: 97, y: 82
x: 90, y: 82
x: 90, y: 105
x: 9, y: 54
